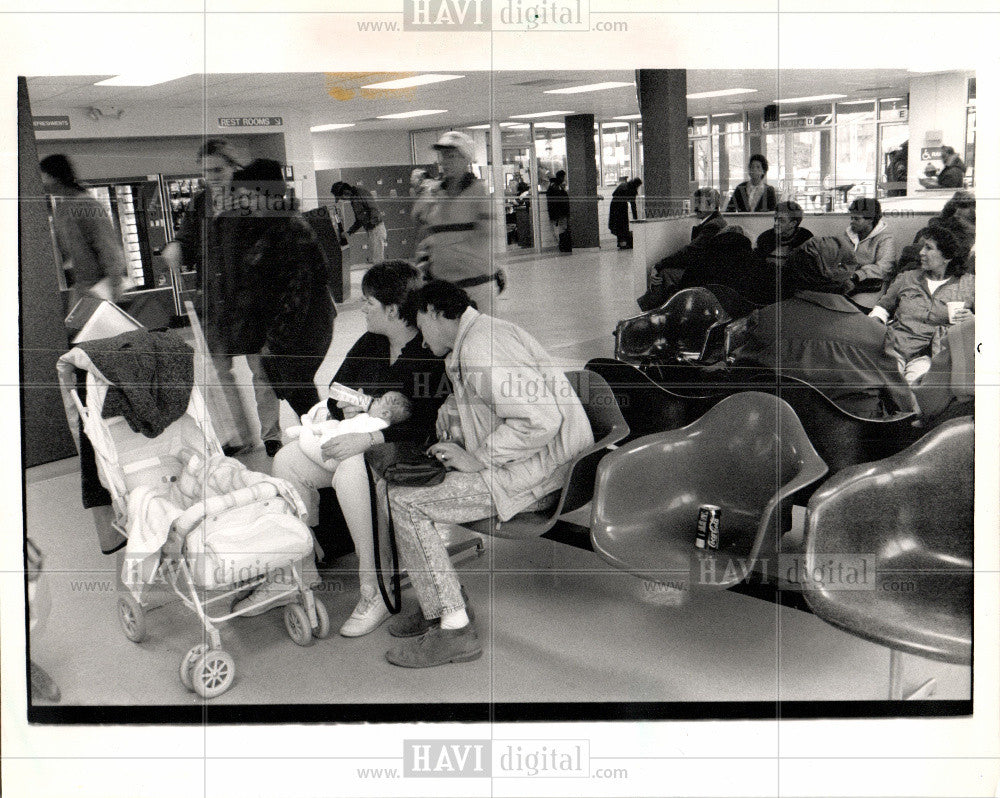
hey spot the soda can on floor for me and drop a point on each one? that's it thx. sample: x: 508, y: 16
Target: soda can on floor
x: 708, y: 527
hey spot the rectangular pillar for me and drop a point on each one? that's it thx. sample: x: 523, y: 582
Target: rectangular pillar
x: 581, y: 174
x: 663, y: 105
x: 43, y: 334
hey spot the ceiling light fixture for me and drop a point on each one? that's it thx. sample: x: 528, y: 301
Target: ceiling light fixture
x: 411, y: 114
x: 409, y: 83
x: 701, y: 95
x: 857, y: 102
x: 333, y: 126
x: 609, y: 84
x: 149, y: 79
x: 628, y: 116
x: 814, y: 98
x: 540, y: 114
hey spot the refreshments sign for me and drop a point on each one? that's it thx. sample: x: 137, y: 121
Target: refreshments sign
x: 50, y: 122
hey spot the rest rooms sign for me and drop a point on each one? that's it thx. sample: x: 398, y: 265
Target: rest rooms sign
x: 249, y: 121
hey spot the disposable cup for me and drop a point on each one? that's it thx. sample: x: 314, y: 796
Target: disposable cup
x: 953, y: 308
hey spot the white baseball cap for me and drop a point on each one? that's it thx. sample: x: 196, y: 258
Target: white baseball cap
x: 453, y: 140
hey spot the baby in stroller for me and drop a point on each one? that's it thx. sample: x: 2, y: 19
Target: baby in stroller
x: 195, y: 520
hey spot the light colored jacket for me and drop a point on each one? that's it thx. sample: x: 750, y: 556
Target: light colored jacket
x: 520, y: 416
x: 875, y: 254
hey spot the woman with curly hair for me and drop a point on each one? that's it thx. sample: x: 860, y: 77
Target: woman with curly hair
x: 923, y: 303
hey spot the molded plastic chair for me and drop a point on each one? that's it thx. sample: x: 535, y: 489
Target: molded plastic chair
x: 911, y: 516
x: 747, y: 455
x: 841, y: 438
x: 650, y: 405
x: 608, y: 426
x: 679, y: 327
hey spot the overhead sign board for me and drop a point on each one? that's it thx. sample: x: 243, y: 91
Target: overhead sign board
x: 50, y: 122
x: 250, y: 121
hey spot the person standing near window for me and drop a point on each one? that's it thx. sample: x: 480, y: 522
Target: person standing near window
x: 754, y: 195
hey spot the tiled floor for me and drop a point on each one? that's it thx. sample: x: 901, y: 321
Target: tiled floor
x: 558, y: 624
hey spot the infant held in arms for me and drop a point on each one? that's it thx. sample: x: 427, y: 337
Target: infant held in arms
x: 318, y: 427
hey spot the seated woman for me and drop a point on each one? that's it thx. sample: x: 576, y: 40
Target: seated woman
x: 921, y: 304
x: 389, y: 356
x: 821, y: 337
x: 874, y: 250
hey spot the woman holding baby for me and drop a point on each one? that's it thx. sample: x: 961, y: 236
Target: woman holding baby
x: 388, y: 359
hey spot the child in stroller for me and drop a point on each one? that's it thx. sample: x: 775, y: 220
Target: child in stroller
x: 195, y: 520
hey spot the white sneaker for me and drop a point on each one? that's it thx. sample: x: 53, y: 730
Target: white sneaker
x: 370, y: 613
x: 263, y: 598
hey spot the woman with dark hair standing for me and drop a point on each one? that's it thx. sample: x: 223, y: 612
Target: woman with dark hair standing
x: 84, y: 233
x: 921, y: 304
x: 754, y: 195
x: 389, y: 356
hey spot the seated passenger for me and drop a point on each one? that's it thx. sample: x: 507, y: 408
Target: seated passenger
x: 874, y: 250
x: 962, y: 207
x: 916, y: 306
x: 521, y: 424
x: 754, y: 195
x: 774, y: 244
x: 665, y: 274
x: 821, y: 337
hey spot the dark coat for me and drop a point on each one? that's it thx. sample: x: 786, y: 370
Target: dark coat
x: 825, y: 340
x: 621, y: 198
x: 557, y: 199
x: 366, y: 215
x: 740, y: 201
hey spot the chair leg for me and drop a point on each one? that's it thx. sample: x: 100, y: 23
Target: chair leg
x: 926, y: 690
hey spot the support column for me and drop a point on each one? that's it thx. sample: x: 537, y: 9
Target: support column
x: 46, y: 434
x: 663, y: 104
x: 581, y: 174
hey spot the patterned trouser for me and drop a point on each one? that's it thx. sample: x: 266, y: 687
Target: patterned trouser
x: 460, y: 498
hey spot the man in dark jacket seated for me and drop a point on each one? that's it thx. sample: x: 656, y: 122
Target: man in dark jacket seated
x: 666, y: 273
x: 821, y: 337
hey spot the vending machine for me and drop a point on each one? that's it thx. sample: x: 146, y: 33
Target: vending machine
x: 136, y: 209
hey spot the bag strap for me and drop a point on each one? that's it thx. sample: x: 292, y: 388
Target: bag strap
x: 394, y: 604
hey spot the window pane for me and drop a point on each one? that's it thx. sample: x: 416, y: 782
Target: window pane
x: 617, y: 158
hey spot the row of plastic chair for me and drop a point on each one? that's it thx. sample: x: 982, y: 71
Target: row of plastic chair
x: 902, y: 526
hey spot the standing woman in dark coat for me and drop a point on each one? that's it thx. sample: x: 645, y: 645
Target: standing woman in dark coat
x: 557, y: 200
x: 621, y: 198
x: 285, y: 305
x: 754, y: 195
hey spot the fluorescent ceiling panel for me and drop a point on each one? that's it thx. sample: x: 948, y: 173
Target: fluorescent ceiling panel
x: 719, y: 93
x: 611, y: 84
x: 409, y: 83
x: 411, y: 114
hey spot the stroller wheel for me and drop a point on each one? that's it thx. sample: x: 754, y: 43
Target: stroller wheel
x: 213, y: 673
x: 322, y: 630
x: 187, y: 664
x: 297, y: 624
x: 132, y: 618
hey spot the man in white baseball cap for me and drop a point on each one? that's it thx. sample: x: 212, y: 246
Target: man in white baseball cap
x: 457, y: 247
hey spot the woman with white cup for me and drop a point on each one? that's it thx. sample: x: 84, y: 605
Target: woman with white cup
x: 923, y: 303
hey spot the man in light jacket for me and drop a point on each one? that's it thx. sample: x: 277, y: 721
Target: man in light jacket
x: 507, y: 434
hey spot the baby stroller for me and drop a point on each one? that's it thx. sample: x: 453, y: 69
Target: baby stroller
x: 195, y: 520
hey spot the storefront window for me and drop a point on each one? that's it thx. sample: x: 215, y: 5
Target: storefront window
x: 550, y: 150
x: 970, y: 135
x: 856, y: 153
x: 729, y: 154
x: 616, y: 153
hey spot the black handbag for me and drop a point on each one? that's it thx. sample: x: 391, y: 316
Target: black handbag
x: 405, y: 464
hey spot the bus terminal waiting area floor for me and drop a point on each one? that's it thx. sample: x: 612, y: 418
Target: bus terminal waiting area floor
x: 557, y: 623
